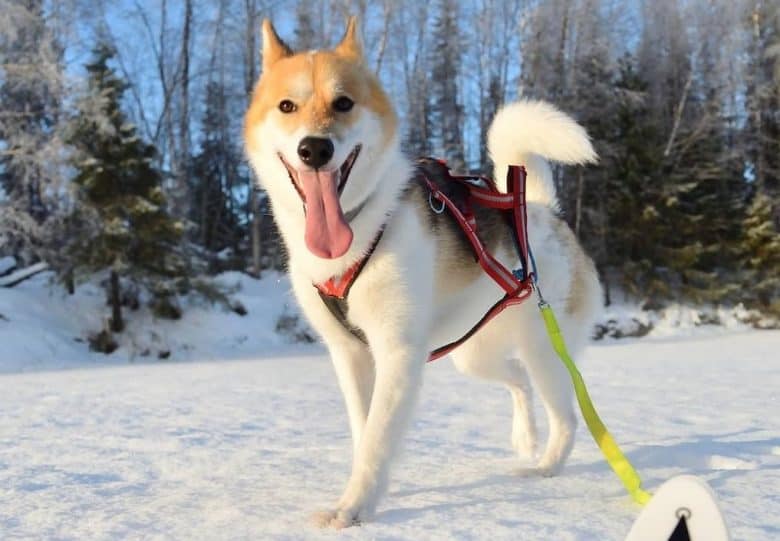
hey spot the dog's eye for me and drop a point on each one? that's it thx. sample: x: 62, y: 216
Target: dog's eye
x: 343, y: 104
x: 286, y: 106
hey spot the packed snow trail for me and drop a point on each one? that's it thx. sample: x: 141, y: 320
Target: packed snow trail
x: 248, y: 449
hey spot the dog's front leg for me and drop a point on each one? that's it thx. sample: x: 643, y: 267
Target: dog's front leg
x: 395, y: 315
x: 398, y: 375
x: 355, y: 371
x: 351, y: 358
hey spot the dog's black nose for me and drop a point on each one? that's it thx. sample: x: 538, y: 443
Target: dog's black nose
x: 315, y: 151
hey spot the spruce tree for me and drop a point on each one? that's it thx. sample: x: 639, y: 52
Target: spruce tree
x: 761, y: 251
x: 705, y: 189
x: 761, y: 135
x: 216, y: 176
x: 120, y: 191
x: 633, y: 189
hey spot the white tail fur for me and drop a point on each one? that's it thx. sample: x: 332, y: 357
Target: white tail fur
x: 529, y: 133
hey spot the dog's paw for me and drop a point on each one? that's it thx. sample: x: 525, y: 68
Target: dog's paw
x: 540, y: 470
x: 526, y: 472
x: 337, y: 519
x: 549, y: 468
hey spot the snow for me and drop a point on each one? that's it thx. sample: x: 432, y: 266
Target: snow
x: 7, y: 264
x: 626, y: 318
x: 22, y: 274
x: 240, y: 434
x: 42, y: 327
x: 246, y: 449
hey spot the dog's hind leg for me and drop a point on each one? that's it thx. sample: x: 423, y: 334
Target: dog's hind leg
x: 523, y: 421
x: 552, y: 382
x: 486, y: 356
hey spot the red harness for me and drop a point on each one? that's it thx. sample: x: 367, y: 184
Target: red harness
x: 517, y: 285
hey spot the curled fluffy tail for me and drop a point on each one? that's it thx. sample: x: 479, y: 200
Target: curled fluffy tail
x: 530, y: 133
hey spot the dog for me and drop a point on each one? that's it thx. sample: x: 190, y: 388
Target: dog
x: 322, y: 137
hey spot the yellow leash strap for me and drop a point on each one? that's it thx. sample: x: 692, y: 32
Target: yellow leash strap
x: 615, y: 457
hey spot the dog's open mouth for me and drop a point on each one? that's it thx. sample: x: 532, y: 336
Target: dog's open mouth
x: 327, y: 234
x: 346, y: 167
x: 344, y: 171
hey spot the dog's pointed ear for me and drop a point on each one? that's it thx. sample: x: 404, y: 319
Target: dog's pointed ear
x: 274, y: 49
x: 351, y: 45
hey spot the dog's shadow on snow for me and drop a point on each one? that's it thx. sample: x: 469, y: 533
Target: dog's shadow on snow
x: 718, y: 457
x: 461, y: 492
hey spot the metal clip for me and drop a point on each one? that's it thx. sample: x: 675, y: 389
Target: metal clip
x: 433, y: 208
x: 542, y: 303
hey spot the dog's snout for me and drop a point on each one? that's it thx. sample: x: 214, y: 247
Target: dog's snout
x: 315, y: 151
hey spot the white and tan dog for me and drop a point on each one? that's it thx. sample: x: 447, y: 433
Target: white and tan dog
x: 320, y: 129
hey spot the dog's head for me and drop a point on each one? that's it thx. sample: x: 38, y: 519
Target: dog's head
x: 317, y: 122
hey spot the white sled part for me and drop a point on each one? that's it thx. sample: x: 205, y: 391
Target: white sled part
x: 684, y: 495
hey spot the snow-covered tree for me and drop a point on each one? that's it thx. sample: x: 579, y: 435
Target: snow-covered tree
x: 446, y: 108
x: 31, y: 148
x: 120, y: 191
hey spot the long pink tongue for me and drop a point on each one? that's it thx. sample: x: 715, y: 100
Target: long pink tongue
x: 328, y: 234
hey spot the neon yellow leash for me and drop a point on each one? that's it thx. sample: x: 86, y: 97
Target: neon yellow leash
x: 615, y: 457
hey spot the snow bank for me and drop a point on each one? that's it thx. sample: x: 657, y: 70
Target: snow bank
x: 629, y: 320
x: 7, y: 264
x: 42, y: 327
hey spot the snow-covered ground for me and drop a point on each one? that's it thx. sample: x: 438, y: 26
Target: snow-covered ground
x: 247, y: 449
x: 42, y: 327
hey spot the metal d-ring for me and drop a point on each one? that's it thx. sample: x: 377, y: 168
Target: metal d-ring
x: 433, y: 208
x: 683, y: 512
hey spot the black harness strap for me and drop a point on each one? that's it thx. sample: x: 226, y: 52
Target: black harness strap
x: 338, y: 307
x: 336, y: 302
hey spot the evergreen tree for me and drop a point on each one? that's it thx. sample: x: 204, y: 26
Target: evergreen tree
x: 762, y: 130
x: 706, y: 185
x: 762, y: 257
x: 632, y: 194
x: 120, y: 190
x: 760, y: 254
x: 704, y: 211
x: 693, y: 199
x: 216, y: 175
